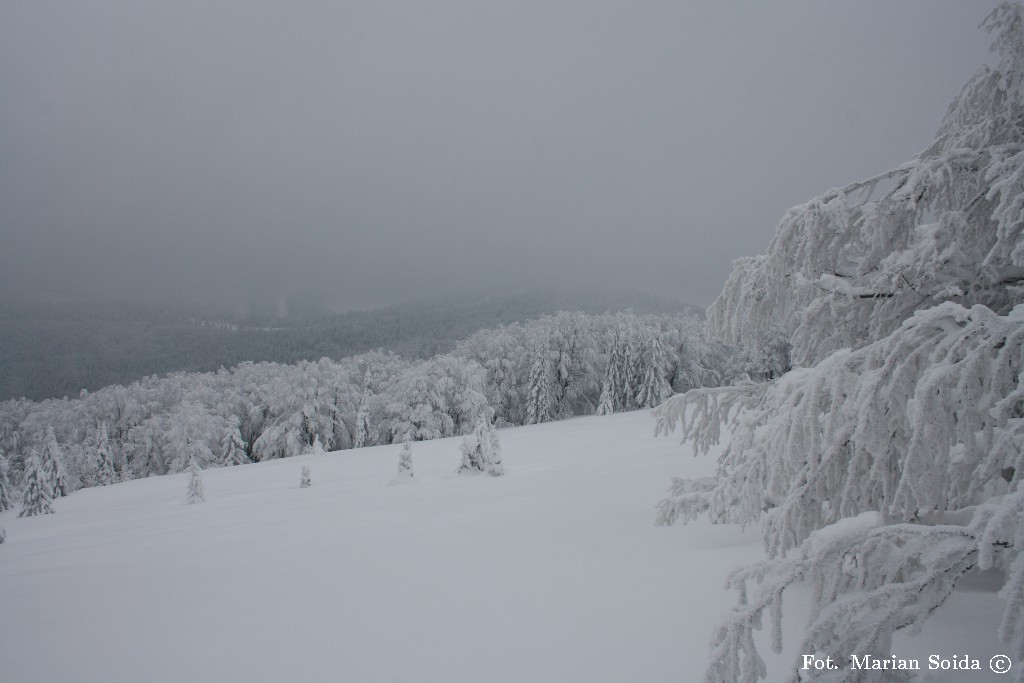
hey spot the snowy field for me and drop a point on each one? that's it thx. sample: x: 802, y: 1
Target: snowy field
x: 554, y: 572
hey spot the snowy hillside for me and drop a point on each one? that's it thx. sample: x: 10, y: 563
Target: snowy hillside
x: 554, y: 572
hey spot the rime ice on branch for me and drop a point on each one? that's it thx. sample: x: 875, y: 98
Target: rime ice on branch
x: 893, y: 463
x: 850, y: 265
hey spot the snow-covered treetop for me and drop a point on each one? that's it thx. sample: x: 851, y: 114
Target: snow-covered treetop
x: 852, y: 264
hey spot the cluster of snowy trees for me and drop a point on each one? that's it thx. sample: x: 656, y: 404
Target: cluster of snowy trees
x: 559, y: 366
x: 889, y: 465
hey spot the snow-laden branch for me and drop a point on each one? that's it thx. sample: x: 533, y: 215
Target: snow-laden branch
x: 870, y: 579
x: 893, y: 463
x: 850, y: 265
x: 931, y: 418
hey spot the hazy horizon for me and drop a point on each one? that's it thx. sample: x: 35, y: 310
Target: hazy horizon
x: 346, y: 156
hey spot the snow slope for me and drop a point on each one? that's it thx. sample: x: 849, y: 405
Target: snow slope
x: 554, y: 572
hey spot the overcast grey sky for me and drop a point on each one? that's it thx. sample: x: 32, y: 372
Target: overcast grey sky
x: 360, y: 153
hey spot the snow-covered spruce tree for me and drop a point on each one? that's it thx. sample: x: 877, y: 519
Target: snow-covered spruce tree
x: 104, y: 463
x: 232, y: 447
x: 611, y: 385
x: 6, y: 495
x: 631, y: 365
x: 538, y: 403
x: 654, y: 388
x: 884, y: 472
x: 363, y: 427
x: 195, y: 482
x: 490, y: 448
x: 317, y: 448
x: 481, y: 451
x: 305, y: 481
x: 405, y: 461
x: 38, y: 494
x: 53, y: 462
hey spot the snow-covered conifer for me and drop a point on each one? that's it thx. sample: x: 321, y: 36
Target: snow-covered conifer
x: 538, y: 404
x: 53, y: 462
x: 491, y: 450
x: 654, y: 388
x: 104, y: 464
x: 472, y: 460
x: 195, y: 482
x: 232, y: 447
x: 611, y: 385
x: 405, y: 460
x: 606, y: 402
x: 481, y: 450
x: 38, y: 494
x: 363, y: 427
x: 305, y: 480
x: 631, y: 368
x: 6, y: 497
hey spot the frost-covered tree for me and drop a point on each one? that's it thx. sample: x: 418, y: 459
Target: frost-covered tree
x: 52, y: 459
x: 434, y: 399
x: 481, y: 450
x: 490, y: 449
x: 631, y: 367
x: 654, y: 387
x: 232, y: 447
x: 364, y: 430
x: 850, y: 265
x: 6, y: 495
x: 317, y: 448
x: 104, y: 458
x: 305, y: 481
x: 613, y: 382
x: 921, y: 422
x: 405, y: 461
x: 573, y: 372
x: 538, y: 402
x: 892, y: 464
x: 192, y: 432
x: 500, y: 353
x: 195, y: 482
x: 38, y: 494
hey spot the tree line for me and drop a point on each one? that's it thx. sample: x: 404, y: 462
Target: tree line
x: 556, y: 367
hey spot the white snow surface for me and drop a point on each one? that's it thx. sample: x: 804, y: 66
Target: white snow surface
x: 552, y: 572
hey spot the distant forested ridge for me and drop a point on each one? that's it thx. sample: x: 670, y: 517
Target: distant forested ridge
x: 552, y: 368
x: 55, y: 350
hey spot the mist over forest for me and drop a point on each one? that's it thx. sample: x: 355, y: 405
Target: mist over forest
x: 53, y: 350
